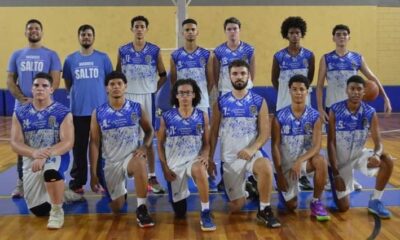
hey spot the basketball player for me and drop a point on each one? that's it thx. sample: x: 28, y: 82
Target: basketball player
x: 240, y: 118
x: 24, y: 64
x: 229, y: 51
x: 350, y: 121
x: 183, y: 147
x: 192, y: 61
x: 141, y: 61
x: 117, y: 124
x: 296, y: 141
x: 84, y: 73
x: 42, y: 132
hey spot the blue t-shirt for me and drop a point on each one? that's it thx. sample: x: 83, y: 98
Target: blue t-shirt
x: 27, y: 62
x: 87, y: 75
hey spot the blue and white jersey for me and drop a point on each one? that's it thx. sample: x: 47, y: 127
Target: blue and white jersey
x: 27, y: 62
x: 120, y: 131
x: 289, y: 66
x: 184, y: 137
x: 193, y: 65
x: 140, y: 67
x: 87, y: 74
x: 41, y: 129
x: 296, y: 133
x: 225, y: 56
x: 239, y: 123
x: 351, y: 130
x: 338, y: 70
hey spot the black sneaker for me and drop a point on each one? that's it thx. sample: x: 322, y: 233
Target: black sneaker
x: 143, y: 218
x: 251, y: 190
x: 305, y: 184
x: 266, y: 216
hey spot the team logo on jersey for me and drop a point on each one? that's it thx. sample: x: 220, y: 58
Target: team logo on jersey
x: 308, y: 128
x: 305, y: 63
x: 134, y: 117
x: 202, y: 61
x: 253, y: 110
x: 365, y: 123
x: 158, y: 112
x: 52, y: 121
x: 199, y: 129
x: 26, y: 123
x: 148, y: 59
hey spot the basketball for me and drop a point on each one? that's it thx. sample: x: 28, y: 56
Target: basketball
x: 371, y: 91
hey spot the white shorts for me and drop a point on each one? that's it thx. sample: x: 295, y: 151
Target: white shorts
x: 179, y: 187
x: 35, y: 192
x: 115, y: 176
x: 360, y: 163
x: 292, y: 185
x: 234, y: 175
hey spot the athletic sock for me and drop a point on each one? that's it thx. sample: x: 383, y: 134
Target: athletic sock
x: 141, y: 201
x: 205, y: 206
x: 263, y: 205
x: 377, y: 195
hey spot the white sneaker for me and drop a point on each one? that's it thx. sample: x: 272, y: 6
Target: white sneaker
x: 56, y: 219
x: 357, y: 185
x: 19, y: 190
x: 71, y: 196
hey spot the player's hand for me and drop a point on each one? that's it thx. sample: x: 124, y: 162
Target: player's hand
x: 140, y: 152
x: 212, y: 170
x: 25, y: 100
x: 374, y: 162
x: 324, y: 116
x: 246, y: 154
x: 41, y: 153
x: 281, y: 182
x: 339, y: 183
x: 203, y: 160
x: 95, y: 185
x: 294, y: 172
x: 169, y: 174
x: 37, y: 164
x: 387, y: 106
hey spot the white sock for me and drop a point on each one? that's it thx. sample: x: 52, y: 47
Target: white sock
x: 141, y: 201
x: 55, y: 206
x: 153, y: 174
x: 205, y: 206
x: 314, y: 199
x: 264, y: 205
x: 377, y: 195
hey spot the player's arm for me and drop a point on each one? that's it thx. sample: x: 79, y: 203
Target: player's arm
x: 376, y: 138
x: 371, y: 76
x: 320, y: 89
x: 276, y: 154
x: 161, y: 137
x: 311, y: 69
x: 172, y: 71
x: 216, y: 69
x: 253, y: 68
x: 209, y: 73
x: 161, y: 71
x: 17, y: 141
x: 66, y: 137
x: 67, y: 75
x: 332, y: 144
x: 14, y: 88
x: 275, y: 73
x: 94, y: 148
x: 118, y: 66
x: 147, y: 129
x: 205, y: 149
x: 56, y: 75
x: 215, y: 123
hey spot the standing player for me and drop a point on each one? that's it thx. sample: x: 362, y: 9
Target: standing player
x: 350, y: 121
x: 296, y: 141
x: 240, y: 118
x: 84, y: 73
x: 142, y: 65
x: 117, y: 124
x: 24, y: 64
x: 183, y: 147
x: 229, y: 51
x: 42, y: 132
x: 194, y: 62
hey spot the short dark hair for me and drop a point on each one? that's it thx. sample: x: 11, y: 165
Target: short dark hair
x: 189, y: 20
x: 300, y: 79
x: 140, y: 18
x: 115, y: 75
x: 197, y: 92
x: 44, y: 75
x: 33, y: 21
x: 86, y: 27
x: 356, y: 79
x: 239, y: 63
x: 293, y: 22
x: 340, y: 27
x: 232, y: 20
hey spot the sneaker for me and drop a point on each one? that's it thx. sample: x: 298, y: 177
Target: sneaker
x: 206, y: 221
x: 72, y: 196
x: 154, y: 186
x: 376, y: 207
x: 318, y: 210
x: 19, y: 190
x: 251, y: 190
x: 357, y: 185
x: 56, y: 219
x: 266, y: 216
x: 143, y: 218
x: 305, y: 184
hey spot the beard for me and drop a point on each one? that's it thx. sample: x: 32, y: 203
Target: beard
x: 86, y: 45
x: 34, y: 40
x: 240, y: 85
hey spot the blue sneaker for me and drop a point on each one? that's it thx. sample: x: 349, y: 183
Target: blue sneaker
x: 376, y: 207
x: 206, y: 221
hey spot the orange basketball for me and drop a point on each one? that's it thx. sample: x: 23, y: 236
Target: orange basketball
x: 371, y: 91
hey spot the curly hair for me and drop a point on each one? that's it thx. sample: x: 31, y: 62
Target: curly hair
x: 293, y: 22
x: 196, y: 90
